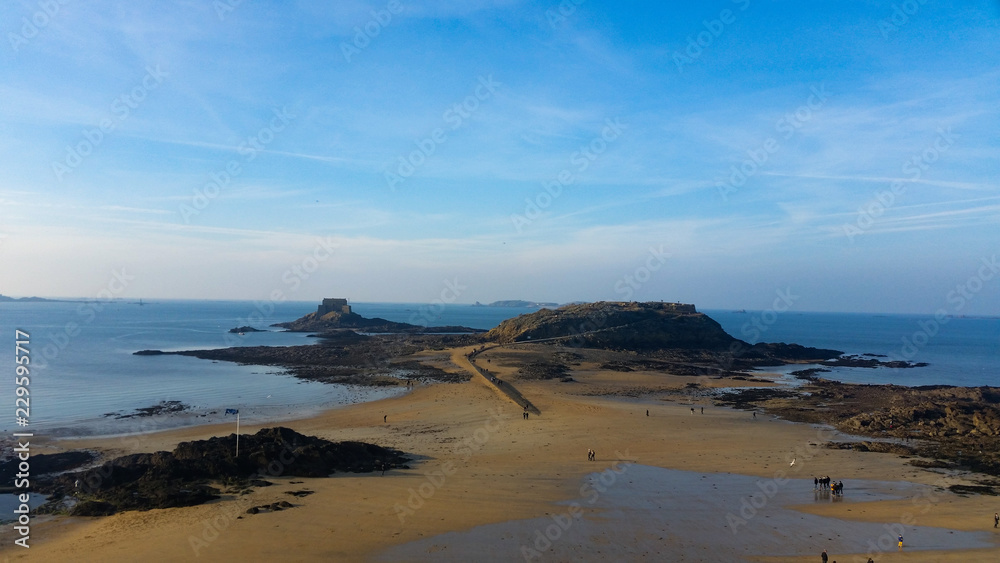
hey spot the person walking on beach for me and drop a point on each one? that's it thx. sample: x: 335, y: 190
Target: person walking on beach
x: 824, y: 556
x: 702, y: 410
x: 647, y: 412
x: 755, y: 415
x: 900, y: 542
x: 996, y: 519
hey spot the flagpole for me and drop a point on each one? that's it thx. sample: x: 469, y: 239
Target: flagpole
x: 237, y: 434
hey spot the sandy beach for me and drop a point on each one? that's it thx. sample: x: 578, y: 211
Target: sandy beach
x: 479, y: 463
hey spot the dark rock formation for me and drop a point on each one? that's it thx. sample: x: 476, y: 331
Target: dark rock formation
x: 631, y: 326
x: 43, y: 464
x: 347, y: 357
x: 163, y: 407
x: 241, y: 329
x: 338, y: 320
x: 647, y: 327
x: 870, y: 362
x: 182, y: 477
x: 958, y: 424
x: 543, y: 370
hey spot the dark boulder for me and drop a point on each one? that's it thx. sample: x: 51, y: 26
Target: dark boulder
x: 182, y: 477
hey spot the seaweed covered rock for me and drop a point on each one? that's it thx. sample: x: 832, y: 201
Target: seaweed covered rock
x: 182, y: 477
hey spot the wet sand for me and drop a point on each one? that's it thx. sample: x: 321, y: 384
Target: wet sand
x: 632, y: 512
x: 481, y: 466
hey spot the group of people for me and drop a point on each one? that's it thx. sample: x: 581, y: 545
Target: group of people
x: 821, y: 483
x: 591, y: 455
x: 524, y: 415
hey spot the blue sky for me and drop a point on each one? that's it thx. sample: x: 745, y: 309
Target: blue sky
x: 713, y: 153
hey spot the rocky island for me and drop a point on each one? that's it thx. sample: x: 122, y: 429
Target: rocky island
x: 336, y: 315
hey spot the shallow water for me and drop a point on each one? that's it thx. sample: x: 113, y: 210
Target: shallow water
x: 653, y: 514
x: 77, y: 380
x: 11, y: 502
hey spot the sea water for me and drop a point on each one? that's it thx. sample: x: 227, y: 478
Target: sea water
x: 85, y: 377
x: 959, y: 351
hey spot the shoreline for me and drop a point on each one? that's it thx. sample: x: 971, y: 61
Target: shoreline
x: 192, y: 415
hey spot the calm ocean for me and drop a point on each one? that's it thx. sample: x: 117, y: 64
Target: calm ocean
x: 83, y: 367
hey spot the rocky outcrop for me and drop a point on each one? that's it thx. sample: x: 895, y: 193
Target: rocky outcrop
x: 42, y: 464
x: 871, y: 362
x: 337, y: 320
x: 631, y: 326
x: 345, y: 357
x: 961, y: 424
x: 183, y: 477
x: 646, y: 327
x: 930, y: 419
x: 244, y: 329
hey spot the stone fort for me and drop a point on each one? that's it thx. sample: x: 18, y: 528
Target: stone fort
x: 333, y: 306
